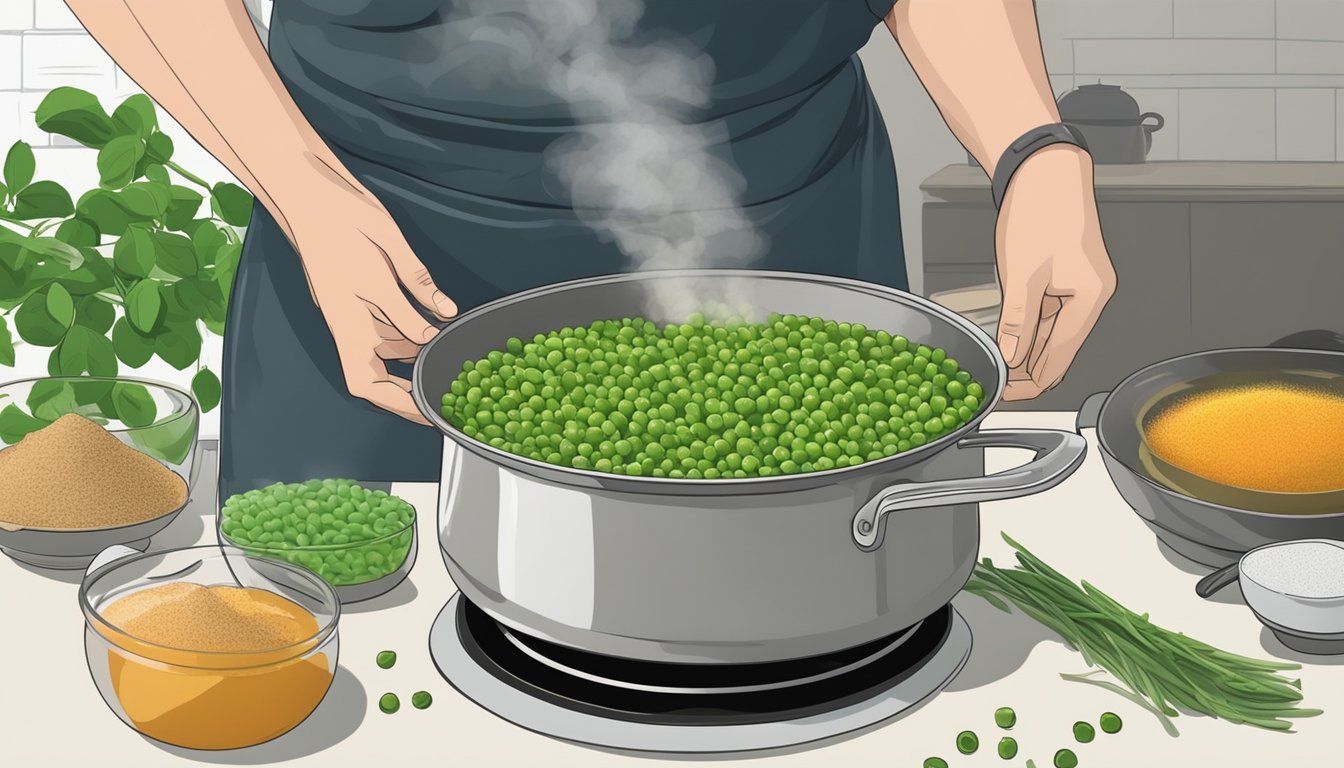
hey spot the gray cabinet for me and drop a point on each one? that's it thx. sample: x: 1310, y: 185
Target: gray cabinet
x: 1207, y: 255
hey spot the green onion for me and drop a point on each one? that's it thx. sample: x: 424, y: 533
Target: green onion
x: 1164, y: 671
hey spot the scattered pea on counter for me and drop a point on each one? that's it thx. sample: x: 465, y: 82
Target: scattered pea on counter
x: 421, y: 700
x: 935, y: 762
x: 1005, y: 717
x: 1007, y: 748
x: 1084, y: 732
x: 389, y: 703
x: 1065, y: 758
x: 1110, y: 722
x: 967, y: 742
x: 386, y: 659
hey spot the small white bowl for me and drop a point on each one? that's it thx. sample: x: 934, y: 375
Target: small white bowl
x: 1295, y: 588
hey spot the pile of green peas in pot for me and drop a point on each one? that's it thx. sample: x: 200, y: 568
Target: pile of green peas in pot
x: 711, y: 399
x: 341, y: 531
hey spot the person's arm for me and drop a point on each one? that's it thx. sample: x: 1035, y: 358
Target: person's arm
x: 981, y: 62
x: 204, y: 64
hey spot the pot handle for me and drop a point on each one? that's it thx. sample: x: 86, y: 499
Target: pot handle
x: 1090, y: 412
x: 1058, y: 454
x: 1146, y: 116
x: 1207, y: 586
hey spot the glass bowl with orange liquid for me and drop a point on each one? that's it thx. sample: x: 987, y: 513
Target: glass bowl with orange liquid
x: 208, y: 648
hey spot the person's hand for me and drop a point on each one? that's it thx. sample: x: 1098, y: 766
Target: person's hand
x: 1053, y: 268
x: 357, y: 264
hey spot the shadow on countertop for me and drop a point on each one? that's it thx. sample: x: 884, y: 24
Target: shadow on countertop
x: 339, y: 714
x: 1003, y: 641
x: 402, y: 594
x: 1229, y: 595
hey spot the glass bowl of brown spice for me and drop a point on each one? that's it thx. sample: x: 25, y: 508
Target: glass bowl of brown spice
x: 89, y: 462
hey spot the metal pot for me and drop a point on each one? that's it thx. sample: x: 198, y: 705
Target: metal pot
x: 1206, y: 532
x: 722, y: 571
x: 1109, y: 119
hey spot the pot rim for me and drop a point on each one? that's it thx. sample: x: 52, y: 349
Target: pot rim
x: 1143, y: 476
x: 593, y: 479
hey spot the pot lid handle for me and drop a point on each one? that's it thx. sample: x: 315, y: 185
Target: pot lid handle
x: 1058, y: 454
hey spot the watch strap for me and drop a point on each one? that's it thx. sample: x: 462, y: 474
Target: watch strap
x: 1025, y: 145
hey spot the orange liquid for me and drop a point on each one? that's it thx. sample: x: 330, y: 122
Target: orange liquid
x: 213, y: 667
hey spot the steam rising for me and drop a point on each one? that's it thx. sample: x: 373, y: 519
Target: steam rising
x: 639, y: 168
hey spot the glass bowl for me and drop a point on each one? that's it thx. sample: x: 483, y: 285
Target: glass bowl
x: 207, y: 700
x: 358, y: 570
x: 154, y: 418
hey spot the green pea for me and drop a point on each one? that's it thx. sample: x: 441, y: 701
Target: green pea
x: 1065, y: 758
x: 1005, y: 717
x: 386, y: 659
x: 935, y: 762
x: 1083, y: 732
x: 967, y: 742
x: 1007, y: 747
x: 1110, y: 722
x: 389, y: 703
x: 421, y: 699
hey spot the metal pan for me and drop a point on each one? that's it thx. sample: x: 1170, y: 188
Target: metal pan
x: 1207, y: 532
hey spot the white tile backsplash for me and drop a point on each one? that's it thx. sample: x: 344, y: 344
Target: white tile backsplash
x: 54, y: 14
x: 1224, y: 18
x: 1105, y: 18
x: 11, y: 61
x: 1306, y: 124
x: 1310, y: 20
x: 1227, y: 124
x: 65, y: 58
x: 16, y: 15
x: 1339, y: 125
x: 1315, y: 56
x: 28, y: 130
x: 1174, y: 57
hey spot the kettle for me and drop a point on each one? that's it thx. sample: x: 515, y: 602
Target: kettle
x: 1110, y: 122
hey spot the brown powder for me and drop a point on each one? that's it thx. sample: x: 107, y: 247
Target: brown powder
x: 216, y: 619
x: 1265, y: 437
x: 75, y: 475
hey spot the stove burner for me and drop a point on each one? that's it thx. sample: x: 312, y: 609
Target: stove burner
x: 695, y: 694
x: 642, y: 706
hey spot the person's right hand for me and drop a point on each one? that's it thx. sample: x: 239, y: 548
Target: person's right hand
x: 357, y: 263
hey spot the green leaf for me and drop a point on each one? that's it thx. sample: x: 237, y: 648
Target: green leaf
x: 95, y: 313
x: 144, y: 306
x: 42, y: 200
x: 179, y: 345
x: 174, y: 254
x: 207, y: 239
x: 14, y: 424
x: 131, y: 348
x: 14, y: 282
x: 19, y: 166
x: 83, y: 351
x: 117, y: 161
x: 53, y: 250
x: 159, y: 148
x: 49, y: 399
x: 4, y: 194
x: 80, y: 233
x: 183, y: 204
x: 134, y: 405
x: 157, y: 173
x: 60, y: 305
x: 6, y: 344
x: 75, y: 114
x: 205, y: 386
x: 88, y: 392
x: 231, y: 203
x: 134, y: 254
x: 136, y: 116
x: 34, y: 321
x: 94, y: 275
x: 169, y: 441
x: 200, y: 298
x: 103, y: 209
x: 145, y: 198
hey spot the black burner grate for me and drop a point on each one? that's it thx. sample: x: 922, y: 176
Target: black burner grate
x: 693, y: 700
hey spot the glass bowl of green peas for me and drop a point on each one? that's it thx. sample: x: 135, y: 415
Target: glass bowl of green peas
x: 361, y: 540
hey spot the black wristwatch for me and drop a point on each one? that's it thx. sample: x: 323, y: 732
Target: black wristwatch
x: 1024, y: 147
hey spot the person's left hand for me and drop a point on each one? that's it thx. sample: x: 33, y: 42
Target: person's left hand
x: 1053, y: 267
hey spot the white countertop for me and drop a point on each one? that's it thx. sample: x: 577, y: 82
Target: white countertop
x: 51, y: 714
